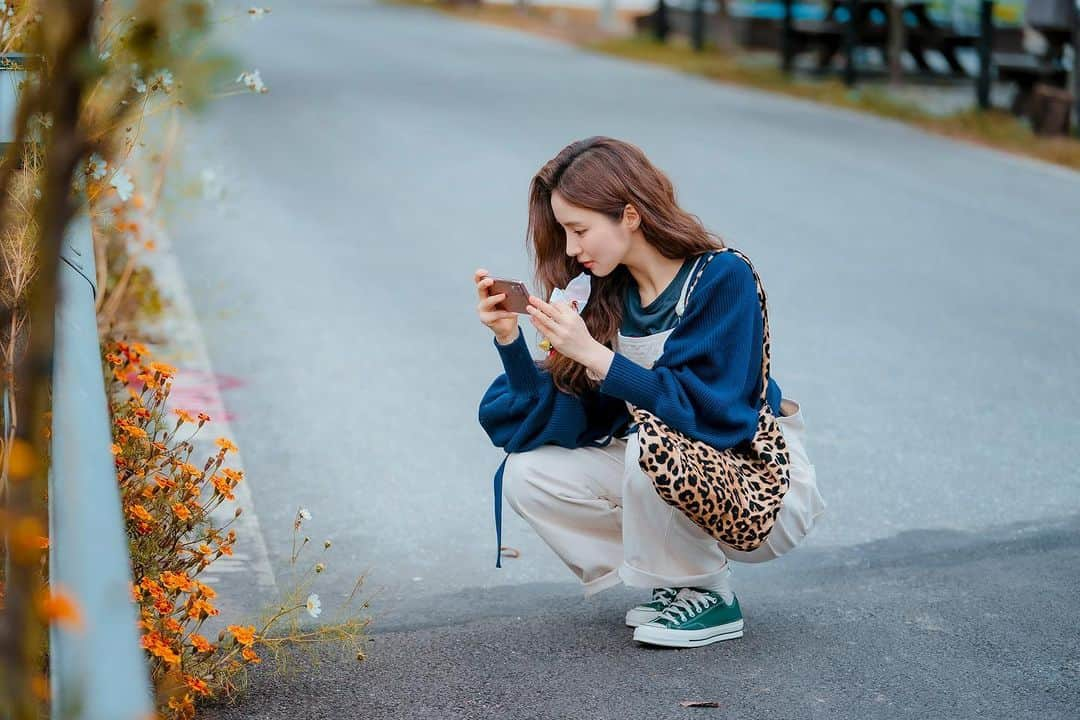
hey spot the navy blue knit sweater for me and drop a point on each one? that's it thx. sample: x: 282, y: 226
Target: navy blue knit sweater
x: 706, y: 383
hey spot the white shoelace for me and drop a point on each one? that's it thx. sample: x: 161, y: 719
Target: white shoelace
x: 664, y: 594
x: 687, y: 602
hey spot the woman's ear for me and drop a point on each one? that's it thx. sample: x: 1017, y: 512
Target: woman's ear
x: 631, y: 218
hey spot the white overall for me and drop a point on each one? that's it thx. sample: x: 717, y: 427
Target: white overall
x: 602, y: 516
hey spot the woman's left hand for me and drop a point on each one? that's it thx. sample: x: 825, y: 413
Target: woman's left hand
x: 561, y: 324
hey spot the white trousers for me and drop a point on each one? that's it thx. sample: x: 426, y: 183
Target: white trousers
x: 602, y: 516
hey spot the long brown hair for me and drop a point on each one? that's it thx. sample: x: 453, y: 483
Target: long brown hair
x: 604, y: 174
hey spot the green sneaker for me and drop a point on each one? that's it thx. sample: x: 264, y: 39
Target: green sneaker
x: 646, y: 612
x: 694, y: 618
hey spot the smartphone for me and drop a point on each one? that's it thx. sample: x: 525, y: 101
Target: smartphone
x: 517, y: 295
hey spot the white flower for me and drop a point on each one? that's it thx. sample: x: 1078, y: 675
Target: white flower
x: 121, y: 180
x: 314, y: 607
x: 96, y: 166
x: 138, y: 84
x: 257, y: 13
x: 212, y: 186
x: 304, y: 514
x: 163, y: 79
x: 252, y: 80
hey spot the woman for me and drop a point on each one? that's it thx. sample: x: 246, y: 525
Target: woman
x: 694, y: 361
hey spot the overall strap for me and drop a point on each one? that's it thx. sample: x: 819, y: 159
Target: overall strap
x: 680, y: 307
x: 764, y: 313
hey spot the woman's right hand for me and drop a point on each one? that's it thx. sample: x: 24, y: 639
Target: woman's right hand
x: 503, y: 323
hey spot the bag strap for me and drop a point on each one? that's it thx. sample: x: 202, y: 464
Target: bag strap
x: 765, y: 364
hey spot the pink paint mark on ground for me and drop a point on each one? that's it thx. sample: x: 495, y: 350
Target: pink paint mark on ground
x: 200, y: 391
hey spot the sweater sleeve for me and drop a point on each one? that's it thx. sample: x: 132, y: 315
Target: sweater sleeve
x: 523, y: 408
x: 707, y: 381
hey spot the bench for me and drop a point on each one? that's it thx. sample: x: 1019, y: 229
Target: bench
x: 1056, y: 21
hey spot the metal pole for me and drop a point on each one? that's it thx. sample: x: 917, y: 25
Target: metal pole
x: 101, y: 672
x: 984, y: 48
x: 697, y: 25
x: 661, y: 26
x: 851, y: 40
x: 787, y: 39
x: 1076, y: 69
x: 607, y: 16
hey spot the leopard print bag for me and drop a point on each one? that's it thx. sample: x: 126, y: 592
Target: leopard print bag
x: 733, y: 494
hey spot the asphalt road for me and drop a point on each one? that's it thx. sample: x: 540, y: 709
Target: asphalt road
x: 924, y: 310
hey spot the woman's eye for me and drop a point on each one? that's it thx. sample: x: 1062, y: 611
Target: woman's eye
x: 580, y: 232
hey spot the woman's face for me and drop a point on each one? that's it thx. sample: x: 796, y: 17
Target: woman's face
x: 595, y: 240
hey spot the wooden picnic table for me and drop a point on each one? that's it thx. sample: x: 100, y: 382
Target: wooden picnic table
x: 922, y: 33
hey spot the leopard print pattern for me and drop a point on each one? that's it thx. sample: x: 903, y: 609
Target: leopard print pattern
x: 733, y: 494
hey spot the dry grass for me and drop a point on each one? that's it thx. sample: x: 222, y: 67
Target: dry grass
x: 993, y: 128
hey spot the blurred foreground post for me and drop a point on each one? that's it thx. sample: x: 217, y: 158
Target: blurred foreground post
x: 984, y: 48
x: 697, y: 25
x: 787, y: 39
x: 851, y: 41
x: 608, y: 21
x: 897, y: 33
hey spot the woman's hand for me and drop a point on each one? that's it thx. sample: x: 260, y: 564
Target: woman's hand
x: 561, y: 324
x: 503, y: 323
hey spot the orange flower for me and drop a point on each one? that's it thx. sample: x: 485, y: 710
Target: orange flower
x: 153, y: 588
x: 159, y: 648
x: 184, y: 416
x: 225, y: 549
x: 185, y: 706
x: 197, y: 607
x: 133, y: 430
x: 115, y: 449
x: 181, y: 511
x: 197, y: 685
x: 138, y: 512
x: 140, y: 348
x: 225, y: 444
x: 164, y: 483
x: 39, y: 685
x: 244, y: 635
x: 200, y: 643
x: 173, y: 626
x: 206, y: 590
x: 177, y: 581
x: 234, y: 475
x: 56, y: 606
x: 189, y: 469
x: 163, y: 369
x: 250, y: 655
x: 164, y: 607
x: 203, y: 418
x: 222, y: 486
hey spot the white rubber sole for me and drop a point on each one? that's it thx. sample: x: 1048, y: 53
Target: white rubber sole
x: 635, y: 617
x: 656, y: 635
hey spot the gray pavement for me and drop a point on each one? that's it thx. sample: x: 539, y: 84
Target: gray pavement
x: 924, y: 312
